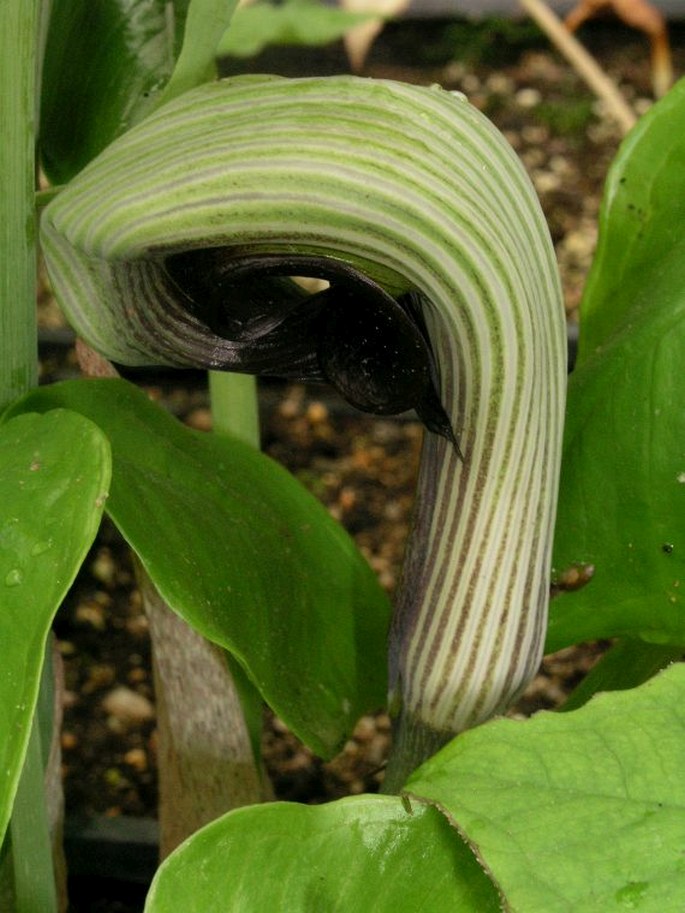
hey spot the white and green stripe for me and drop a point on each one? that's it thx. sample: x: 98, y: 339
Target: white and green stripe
x: 417, y: 189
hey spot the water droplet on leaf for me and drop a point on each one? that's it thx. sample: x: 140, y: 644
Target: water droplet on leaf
x: 14, y: 577
x: 40, y: 547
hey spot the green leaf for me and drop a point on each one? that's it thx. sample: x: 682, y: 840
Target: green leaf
x: 307, y: 22
x: 361, y: 853
x: 54, y: 475
x: 642, y: 212
x: 104, y: 64
x: 205, y: 23
x: 622, y: 496
x: 627, y: 664
x: 247, y: 556
x: 574, y: 812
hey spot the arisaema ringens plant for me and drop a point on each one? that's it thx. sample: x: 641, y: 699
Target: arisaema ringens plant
x: 176, y: 245
x: 174, y: 239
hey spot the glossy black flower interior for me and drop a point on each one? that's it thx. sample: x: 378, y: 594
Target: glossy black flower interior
x: 372, y: 348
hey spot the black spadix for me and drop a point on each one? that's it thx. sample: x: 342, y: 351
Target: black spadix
x: 372, y: 348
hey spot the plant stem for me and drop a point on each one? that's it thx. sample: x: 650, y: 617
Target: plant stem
x: 234, y: 405
x: 34, y: 883
x: 43, y: 197
x: 18, y: 358
x: 233, y: 397
x: 235, y: 711
x: 235, y: 411
x: 34, y: 886
x: 412, y: 742
x: 206, y: 759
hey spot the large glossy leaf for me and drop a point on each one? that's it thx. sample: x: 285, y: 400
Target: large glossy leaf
x: 358, y: 854
x: 622, y: 498
x: 575, y: 812
x: 247, y: 556
x: 104, y: 63
x: 54, y: 477
x: 108, y: 64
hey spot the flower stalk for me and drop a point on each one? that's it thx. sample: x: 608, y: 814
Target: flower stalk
x: 415, y: 190
x: 27, y: 876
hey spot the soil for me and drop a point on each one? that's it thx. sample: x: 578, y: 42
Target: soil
x: 362, y: 468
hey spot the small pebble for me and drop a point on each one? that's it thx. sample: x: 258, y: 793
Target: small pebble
x: 91, y: 613
x: 394, y: 511
x: 383, y: 722
x: 138, y: 626
x: 317, y: 413
x: 470, y: 83
x: 387, y: 580
x: 365, y: 729
x: 137, y: 759
x: 100, y: 675
x: 200, y: 420
x: 69, y: 699
x: 351, y: 748
x: 291, y: 406
x: 347, y: 498
x: 500, y: 84
x: 104, y: 568
x: 546, y: 181
x: 127, y: 706
x: 69, y: 741
x: 559, y: 165
x: 535, y: 134
x: 528, y: 98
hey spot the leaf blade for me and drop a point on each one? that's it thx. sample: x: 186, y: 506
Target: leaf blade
x: 305, y: 22
x: 241, y: 551
x: 622, y: 494
x: 350, y: 855
x: 104, y: 65
x: 577, y: 811
x: 54, y: 474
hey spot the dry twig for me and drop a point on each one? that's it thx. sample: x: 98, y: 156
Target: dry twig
x: 584, y: 64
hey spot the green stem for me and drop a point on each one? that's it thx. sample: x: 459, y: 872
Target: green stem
x: 412, y: 742
x: 43, y: 197
x: 34, y: 883
x: 234, y: 405
x: 18, y: 358
x: 235, y: 411
x: 34, y: 886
